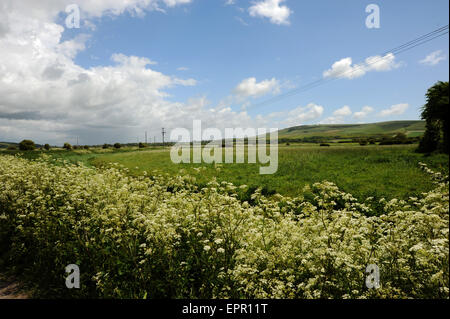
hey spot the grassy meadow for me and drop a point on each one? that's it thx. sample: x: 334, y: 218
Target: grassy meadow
x: 141, y: 226
x: 364, y: 171
x: 167, y: 235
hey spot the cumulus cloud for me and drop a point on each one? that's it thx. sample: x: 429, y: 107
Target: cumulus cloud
x: 251, y: 88
x: 300, y: 115
x: 396, y: 109
x: 339, y: 116
x: 48, y: 9
x: 46, y: 96
x: 343, y: 111
x: 433, y: 58
x: 345, y: 68
x: 365, y: 111
x: 271, y: 9
x: 172, y: 3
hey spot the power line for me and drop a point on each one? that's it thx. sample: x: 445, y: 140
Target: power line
x: 397, y: 50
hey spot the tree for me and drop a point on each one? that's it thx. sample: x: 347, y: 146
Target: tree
x: 105, y: 146
x: 142, y: 145
x: 435, y: 112
x: 47, y: 146
x: 117, y: 145
x: 27, y: 145
x: 67, y: 146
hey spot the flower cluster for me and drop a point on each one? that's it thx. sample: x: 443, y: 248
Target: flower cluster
x: 159, y: 236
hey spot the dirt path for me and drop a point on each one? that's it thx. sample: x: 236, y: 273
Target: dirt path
x: 10, y: 289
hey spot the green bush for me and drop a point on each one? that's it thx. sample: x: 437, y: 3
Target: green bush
x: 67, y: 146
x: 47, y: 147
x: 142, y: 145
x: 27, y: 145
x: 132, y: 238
x: 117, y: 145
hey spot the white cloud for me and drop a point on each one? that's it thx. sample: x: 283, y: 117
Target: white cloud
x: 365, y: 111
x: 250, y: 88
x: 396, y: 109
x: 301, y: 114
x: 230, y: 2
x: 433, y: 58
x: 48, y: 9
x: 183, y: 68
x: 338, y: 116
x: 46, y: 96
x: 271, y: 9
x: 345, y: 68
x: 172, y: 3
x: 333, y: 120
x: 343, y: 111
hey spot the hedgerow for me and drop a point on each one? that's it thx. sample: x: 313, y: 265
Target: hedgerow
x: 156, y: 236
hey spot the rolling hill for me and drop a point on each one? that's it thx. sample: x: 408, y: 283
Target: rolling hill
x: 342, y: 131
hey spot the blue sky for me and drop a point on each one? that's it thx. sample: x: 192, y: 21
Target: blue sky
x: 211, y: 50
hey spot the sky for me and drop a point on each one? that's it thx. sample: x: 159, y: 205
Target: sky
x: 140, y: 65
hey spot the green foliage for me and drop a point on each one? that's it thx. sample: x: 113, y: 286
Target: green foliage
x: 142, y: 145
x: 27, y: 145
x: 430, y: 140
x: 67, y: 146
x: 117, y: 145
x: 436, y: 114
x: 132, y: 238
x: 105, y: 146
x: 381, y: 171
x: 47, y: 147
x: 326, y: 132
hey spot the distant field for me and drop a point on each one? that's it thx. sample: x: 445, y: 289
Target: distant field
x: 410, y: 128
x: 379, y: 171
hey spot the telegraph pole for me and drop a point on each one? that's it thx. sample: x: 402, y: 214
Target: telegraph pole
x: 163, y: 133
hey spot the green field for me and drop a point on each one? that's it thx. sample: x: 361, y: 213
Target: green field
x: 364, y: 171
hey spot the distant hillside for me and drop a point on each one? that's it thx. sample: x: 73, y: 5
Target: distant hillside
x: 7, y: 144
x: 4, y: 145
x: 342, y: 131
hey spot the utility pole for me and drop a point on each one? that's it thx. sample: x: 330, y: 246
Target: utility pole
x: 163, y: 133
